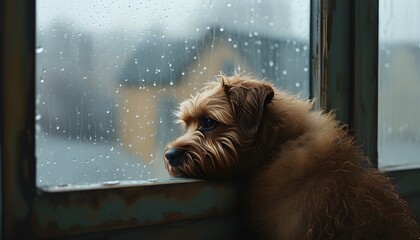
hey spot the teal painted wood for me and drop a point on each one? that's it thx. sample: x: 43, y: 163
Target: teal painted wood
x: 365, y: 118
x: 203, y: 229
x: 18, y: 123
x: 90, y: 210
x: 336, y: 58
x: 345, y: 63
x: 407, y: 182
x: 339, y: 59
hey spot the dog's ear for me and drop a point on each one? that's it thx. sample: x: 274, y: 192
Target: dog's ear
x: 249, y: 100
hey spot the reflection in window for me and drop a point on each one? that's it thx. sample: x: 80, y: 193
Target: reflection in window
x: 111, y: 74
x: 399, y: 84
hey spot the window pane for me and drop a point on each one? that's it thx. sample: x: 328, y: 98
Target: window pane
x: 399, y: 84
x: 110, y: 74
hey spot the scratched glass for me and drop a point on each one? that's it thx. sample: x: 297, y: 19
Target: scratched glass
x: 110, y: 74
x: 399, y: 84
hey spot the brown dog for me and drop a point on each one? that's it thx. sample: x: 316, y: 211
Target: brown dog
x: 306, y: 175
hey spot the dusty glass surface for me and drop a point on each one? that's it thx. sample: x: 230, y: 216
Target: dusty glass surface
x: 399, y: 84
x: 111, y: 73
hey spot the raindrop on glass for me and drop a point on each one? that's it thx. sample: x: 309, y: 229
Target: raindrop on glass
x: 39, y: 49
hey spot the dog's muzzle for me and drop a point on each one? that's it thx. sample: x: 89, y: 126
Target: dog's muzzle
x: 175, y: 156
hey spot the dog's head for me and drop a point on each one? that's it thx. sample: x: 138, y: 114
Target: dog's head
x: 221, y: 124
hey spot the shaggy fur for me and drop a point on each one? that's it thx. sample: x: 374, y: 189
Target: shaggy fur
x: 306, y: 176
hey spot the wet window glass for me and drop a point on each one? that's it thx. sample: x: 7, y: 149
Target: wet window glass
x: 399, y: 84
x: 110, y: 75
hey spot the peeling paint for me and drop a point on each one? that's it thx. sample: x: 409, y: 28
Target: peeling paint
x: 58, y: 213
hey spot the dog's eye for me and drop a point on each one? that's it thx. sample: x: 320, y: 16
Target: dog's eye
x: 207, y: 124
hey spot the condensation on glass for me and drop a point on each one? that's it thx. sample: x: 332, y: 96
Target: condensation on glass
x: 110, y: 74
x: 399, y: 84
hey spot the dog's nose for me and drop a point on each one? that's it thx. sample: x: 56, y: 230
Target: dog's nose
x: 175, y: 156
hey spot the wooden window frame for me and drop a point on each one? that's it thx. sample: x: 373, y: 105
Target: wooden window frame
x: 344, y: 76
x: 344, y: 44
x: 123, y: 209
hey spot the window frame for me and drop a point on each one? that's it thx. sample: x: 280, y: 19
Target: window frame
x: 74, y: 210
x: 345, y: 50
x: 343, y: 53
x: 344, y: 77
